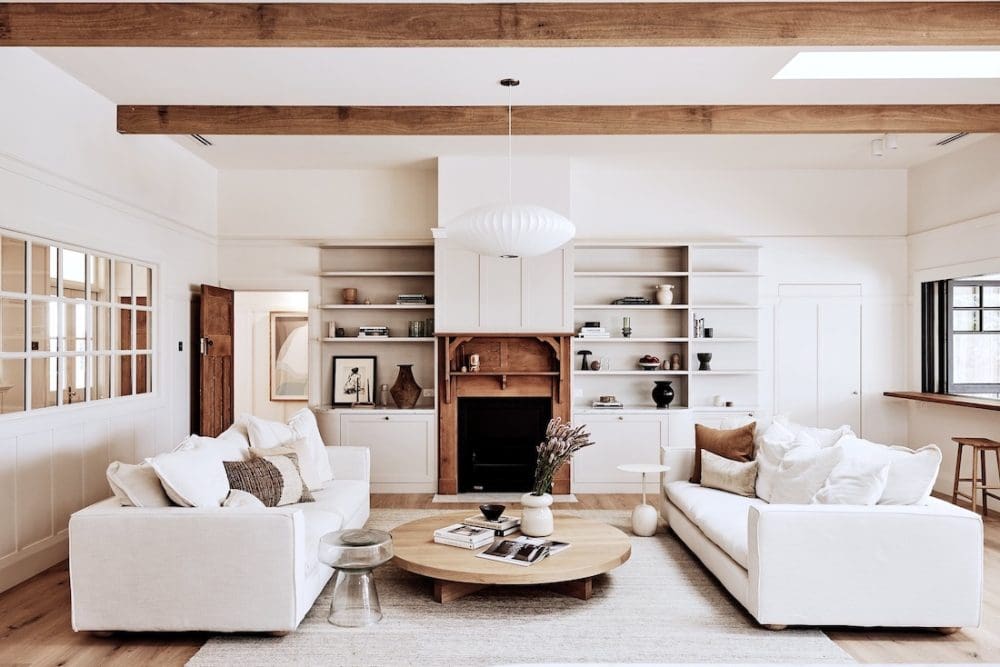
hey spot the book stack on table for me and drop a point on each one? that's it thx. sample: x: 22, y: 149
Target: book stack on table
x: 466, y: 537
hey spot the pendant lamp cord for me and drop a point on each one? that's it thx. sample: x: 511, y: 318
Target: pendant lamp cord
x: 510, y: 169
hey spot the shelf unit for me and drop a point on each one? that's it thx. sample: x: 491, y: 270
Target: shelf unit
x: 379, y: 270
x: 717, y: 281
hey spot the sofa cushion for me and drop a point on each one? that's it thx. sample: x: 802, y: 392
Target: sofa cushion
x: 318, y: 522
x: 854, y: 481
x: 136, y: 485
x: 193, y: 477
x: 734, y: 444
x: 826, y: 437
x: 721, y: 516
x: 275, y: 480
x: 912, y: 473
x: 301, y: 429
x: 772, y: 445
x: 727, y: 475
x: 803, y: 472
x: 343, y: 496
x: 230, y: 445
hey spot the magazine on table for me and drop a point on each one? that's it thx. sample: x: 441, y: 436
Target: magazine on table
x: 523, y: 550
x: 458, y: 534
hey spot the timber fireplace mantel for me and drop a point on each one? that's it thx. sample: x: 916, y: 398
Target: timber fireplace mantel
x: 522, y: 365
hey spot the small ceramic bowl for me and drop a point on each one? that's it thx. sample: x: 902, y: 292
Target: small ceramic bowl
x: 648, y: 365
x: 492, y: 512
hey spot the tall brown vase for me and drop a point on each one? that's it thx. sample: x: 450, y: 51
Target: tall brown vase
x: 405, y: 392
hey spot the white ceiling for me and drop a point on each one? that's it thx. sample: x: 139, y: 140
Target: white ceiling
x: 450, y: 76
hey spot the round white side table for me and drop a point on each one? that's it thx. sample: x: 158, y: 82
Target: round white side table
x: 644, y: 516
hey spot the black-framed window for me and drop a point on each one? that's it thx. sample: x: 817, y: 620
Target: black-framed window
x: 961, y: 336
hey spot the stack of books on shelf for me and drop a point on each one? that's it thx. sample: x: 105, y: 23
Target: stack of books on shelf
x: 467, y: 537
x: 503, y: 526
x: 371, y: 331
x: 632, y: 301
x: 411, y: 300
x: 607, y: 405
x: 593, y: 330
x: 523, y: 550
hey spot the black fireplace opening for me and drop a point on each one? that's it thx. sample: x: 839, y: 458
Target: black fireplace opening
x: 497, y: 438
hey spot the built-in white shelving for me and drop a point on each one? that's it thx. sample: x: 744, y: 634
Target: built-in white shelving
x: 655, y: 306
x: 369, y: 274
x: 630, y: 274
x: 376, y: 306
x: 377, y: 339
x: 635, y: 372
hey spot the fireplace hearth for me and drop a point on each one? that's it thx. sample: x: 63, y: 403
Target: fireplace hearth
x: 497, y: 438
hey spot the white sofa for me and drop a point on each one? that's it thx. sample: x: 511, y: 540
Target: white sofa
x: 877, y: 566
x: 210, y: 569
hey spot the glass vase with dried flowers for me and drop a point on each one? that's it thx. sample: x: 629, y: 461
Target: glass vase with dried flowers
x: 562, y: 442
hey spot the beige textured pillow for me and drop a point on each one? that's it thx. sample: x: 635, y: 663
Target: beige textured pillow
x: 275, y: 480
x: 136, y: 485
x: 724, y: 474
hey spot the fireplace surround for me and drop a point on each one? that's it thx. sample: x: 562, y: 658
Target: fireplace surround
x: 512, y: 367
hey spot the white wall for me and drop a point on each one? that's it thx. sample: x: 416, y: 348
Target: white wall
x: 66, y: 175
x: 954, y: 212
x: 252, y: 352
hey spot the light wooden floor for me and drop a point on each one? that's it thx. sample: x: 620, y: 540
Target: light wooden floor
x: 35, y: 625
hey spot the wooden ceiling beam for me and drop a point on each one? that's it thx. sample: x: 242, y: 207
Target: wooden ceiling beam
x: 558, y: 120
x: 527, y: 24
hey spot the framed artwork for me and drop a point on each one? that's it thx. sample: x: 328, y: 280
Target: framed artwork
x: 289, y: 345
x: 353, y: 380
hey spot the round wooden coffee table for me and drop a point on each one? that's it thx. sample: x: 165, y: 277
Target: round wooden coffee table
x: 596, y: 548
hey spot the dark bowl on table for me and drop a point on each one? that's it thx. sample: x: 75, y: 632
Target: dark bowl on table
x: 492, y: 512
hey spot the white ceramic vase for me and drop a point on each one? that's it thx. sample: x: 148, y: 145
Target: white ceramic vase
x: 665, y: 294
x: 536, y: 515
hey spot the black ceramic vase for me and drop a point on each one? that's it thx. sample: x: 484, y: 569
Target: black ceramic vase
x: 663, y: 393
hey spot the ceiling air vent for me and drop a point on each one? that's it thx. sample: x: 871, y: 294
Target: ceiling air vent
x: 952, y: 138
x: 201, y: 140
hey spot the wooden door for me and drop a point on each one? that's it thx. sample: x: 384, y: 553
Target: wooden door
x: 215, y: 372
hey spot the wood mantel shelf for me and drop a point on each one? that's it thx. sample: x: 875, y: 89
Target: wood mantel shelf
x: 947, y: 399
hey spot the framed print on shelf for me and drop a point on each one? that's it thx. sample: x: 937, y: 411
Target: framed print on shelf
x: 353, y: 380
x: 289, y: 356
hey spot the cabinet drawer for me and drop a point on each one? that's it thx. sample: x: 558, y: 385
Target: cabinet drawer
x: 402, y: 447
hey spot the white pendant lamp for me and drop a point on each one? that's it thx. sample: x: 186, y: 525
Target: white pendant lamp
x: 509, y: 229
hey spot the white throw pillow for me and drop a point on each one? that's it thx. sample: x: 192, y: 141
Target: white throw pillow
x: 230, y: 445
x: 854, y: 481
x: 136, y: 485
x: 192, y: 477
x: 803, y: 472
x: 912, y: 473
x: 772, y: 446
x: 238, y: 498
x: 313, y: 461
x: 826, y: 437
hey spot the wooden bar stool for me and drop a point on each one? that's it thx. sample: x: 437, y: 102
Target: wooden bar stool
x: 979, y: 447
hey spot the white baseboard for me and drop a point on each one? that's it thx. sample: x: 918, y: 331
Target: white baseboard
x: 18, y: 568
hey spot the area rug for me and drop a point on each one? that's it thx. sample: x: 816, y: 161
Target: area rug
x: 659, y: 607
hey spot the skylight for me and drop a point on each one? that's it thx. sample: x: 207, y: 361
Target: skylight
x: 892, y: 65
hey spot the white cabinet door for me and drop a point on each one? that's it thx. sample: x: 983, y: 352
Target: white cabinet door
x: 618, y: 439
x: 403, y: 449
x: 840, y: 364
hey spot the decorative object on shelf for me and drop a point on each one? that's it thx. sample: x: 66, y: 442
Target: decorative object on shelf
x: 289, y: 356
x: 465, y: 369
x: 729, y: 404
x: 339, y: 333
x: 595, y: 365
x: 608, y: 398
x: 474, y: 363
x: 383, y: 395
x: 699, y: 327
x: 411, y: 299
x: 626, y: 327
x: 511, y: 230
x: 632, y: 301
x: 416, y: 329
x: 664, y: 294
x: 663, y: 393
x: 585, y: 363
x: 704, y: 361
x: 593, y: 330
x: 709, y: 332
x: 648, y: 362
x: 353, y: 378
x: 562, y: 441
x: 718, y: 401
x: 611, y: 403
x: 492, y: 511
x: 405, y: 391
x: 331, y: 330
x: 373, y: 331
x: 429, y: 326
x: 350, y: 295
x: 368, y: 301
x: 675, y: 362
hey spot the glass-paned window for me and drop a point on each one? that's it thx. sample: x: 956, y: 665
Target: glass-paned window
x: 974, y: 341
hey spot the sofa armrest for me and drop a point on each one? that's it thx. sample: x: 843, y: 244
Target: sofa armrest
x: 904, y: 566
x: 681, y: 462
x: 350, y: 462
x: 179, y: 569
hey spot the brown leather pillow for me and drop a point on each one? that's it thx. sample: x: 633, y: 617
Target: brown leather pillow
x: 735, y: 444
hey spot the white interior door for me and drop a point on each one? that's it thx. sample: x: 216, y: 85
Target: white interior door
x: 817, y: 367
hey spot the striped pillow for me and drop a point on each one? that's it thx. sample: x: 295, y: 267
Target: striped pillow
x: 276, y: 480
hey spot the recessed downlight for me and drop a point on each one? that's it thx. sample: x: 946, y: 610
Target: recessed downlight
x: 892, y: 65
